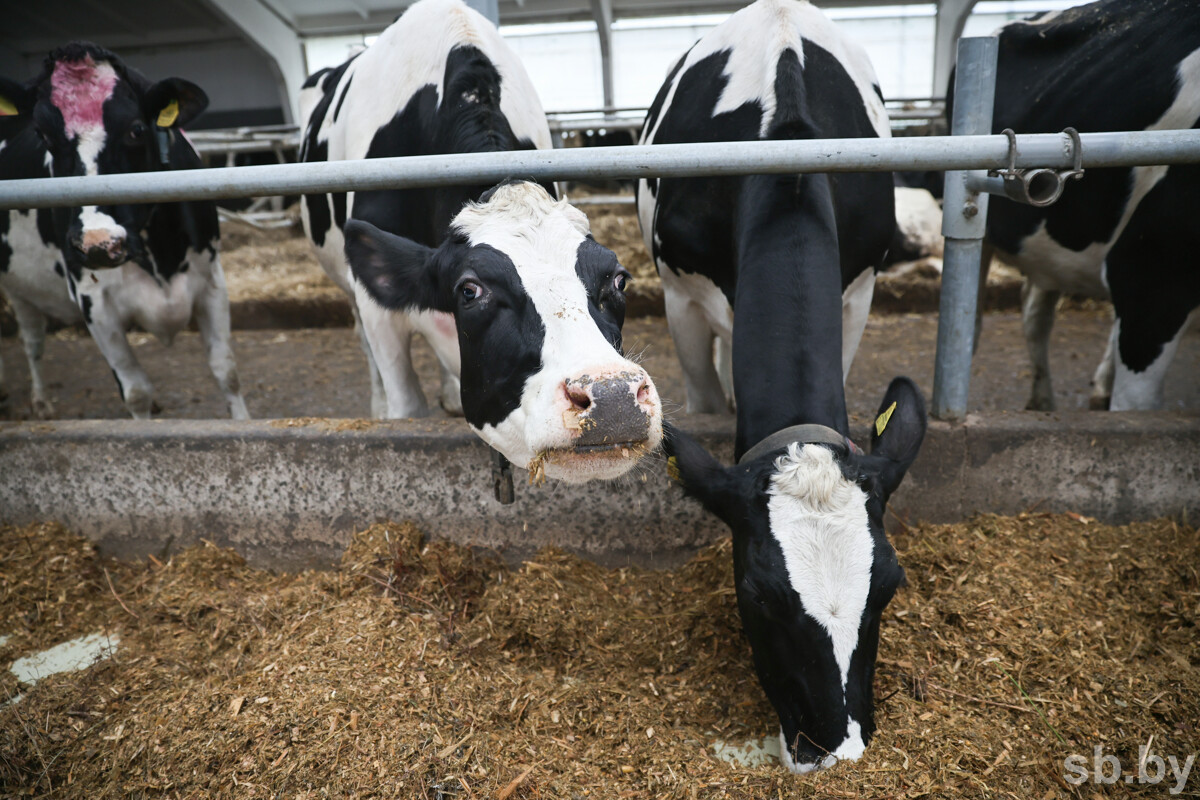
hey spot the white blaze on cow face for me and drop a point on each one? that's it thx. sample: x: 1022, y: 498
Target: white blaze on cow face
x: 542, y: 236
x: 819, y: 518
x: 79, y: 90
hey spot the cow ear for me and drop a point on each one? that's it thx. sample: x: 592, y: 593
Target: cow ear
x: 397, y: 273
x: 700, y: 475
x: 898, y: 431
x: 16, y: 99
x: 174, y: 102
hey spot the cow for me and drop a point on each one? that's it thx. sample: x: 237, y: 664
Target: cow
x: 438, y: 80
x: 783, y: 266
x: 110, y: 266
x: 537, y: 306
x: 1127, y: 233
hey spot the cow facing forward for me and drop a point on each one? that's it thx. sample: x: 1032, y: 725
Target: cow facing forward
x: 784, y: 267
x: 537, y: 306
x: 438, y: 80
x: 110, y: 266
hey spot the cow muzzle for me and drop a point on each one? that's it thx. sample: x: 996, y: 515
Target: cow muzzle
x: 100, y: 249
x: 609, y: 411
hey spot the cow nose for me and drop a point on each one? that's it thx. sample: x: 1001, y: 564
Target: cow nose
x: 609, y: 409
x: 101, y: 249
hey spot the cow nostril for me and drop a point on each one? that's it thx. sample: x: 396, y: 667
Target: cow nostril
x: 579, y: 397
x: 643, y: 392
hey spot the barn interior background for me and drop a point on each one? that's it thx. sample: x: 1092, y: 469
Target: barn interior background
x: 972, y: 669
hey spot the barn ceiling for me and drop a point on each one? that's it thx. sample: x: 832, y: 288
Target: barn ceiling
x: 31, y: 29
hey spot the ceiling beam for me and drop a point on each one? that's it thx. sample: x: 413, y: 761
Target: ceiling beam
x: 951, y: 19
x: 602, y: 11
x: 271, y: 34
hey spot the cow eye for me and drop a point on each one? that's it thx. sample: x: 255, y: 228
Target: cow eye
x: 136, y: 134
x: 620, y: 280
x: 469, y: 291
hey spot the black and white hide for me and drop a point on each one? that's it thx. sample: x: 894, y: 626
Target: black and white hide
x: 779, y: 271
x: 155, y: 265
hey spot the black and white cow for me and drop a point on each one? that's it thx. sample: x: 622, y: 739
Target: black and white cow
x: 154, y: 265
x: 537, y: 306
x: 783, y: 266
x: 1128, y: 233
x: 438, y: 80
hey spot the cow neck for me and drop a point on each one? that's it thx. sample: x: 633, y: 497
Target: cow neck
x: 787, y: 334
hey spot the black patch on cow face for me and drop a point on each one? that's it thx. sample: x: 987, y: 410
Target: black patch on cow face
x: 500, y: 334
x: 605, y: 281
x: 793, y: 654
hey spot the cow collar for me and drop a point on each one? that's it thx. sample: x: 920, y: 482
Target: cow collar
x: 804, y: 434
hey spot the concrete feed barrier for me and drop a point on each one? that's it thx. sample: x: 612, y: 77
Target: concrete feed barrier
x: 288, y: 494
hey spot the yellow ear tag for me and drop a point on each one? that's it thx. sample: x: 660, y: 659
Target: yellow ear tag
x: 883, y: 419
x: 167, y: 117
x: 7, y: 109
x: 673, y: 470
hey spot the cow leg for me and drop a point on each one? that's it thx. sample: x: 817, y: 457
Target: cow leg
x: 388, y: 335
x: 378, y: 398
x: 439, y: 330
x: 1143, y: 390
x: 856, y: 306
x: 109, y: 334
x: 985, y: 266
x: 1102, y: 380
x: 723, y: 359
x: 3, y: 391
x: 212, y: 317
x: 32, y: 324
x: 1037, y: 320
x: 694, y: 346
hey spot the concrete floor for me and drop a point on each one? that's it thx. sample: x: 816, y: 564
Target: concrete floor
x: 321, y: 372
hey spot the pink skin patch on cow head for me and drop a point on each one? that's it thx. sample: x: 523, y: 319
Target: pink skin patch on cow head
x: 78, y: 89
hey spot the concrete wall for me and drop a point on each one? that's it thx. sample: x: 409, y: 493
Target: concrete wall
x: 289, y: 497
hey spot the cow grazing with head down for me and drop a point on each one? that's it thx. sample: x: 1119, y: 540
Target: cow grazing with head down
x: 1129, y: 233
x: 111, y: 266
x: 784, y: 266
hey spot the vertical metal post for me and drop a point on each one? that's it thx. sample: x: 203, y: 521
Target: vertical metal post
x: 964, y: 222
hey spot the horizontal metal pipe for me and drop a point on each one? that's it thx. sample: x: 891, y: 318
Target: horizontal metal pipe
x: 669, y: 160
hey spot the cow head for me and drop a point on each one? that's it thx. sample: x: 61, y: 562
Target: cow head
x: 95, y: 116
x: 538, y: 306
x: 813, y: 570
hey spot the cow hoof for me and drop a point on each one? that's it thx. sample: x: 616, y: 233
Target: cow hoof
x: 452, y: 405
x: 1039, y: 404
x: 43, y: 409
x: 155, y: 408
x: 1099, y: 403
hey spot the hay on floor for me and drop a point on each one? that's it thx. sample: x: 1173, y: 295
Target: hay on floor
x: 421, y: 670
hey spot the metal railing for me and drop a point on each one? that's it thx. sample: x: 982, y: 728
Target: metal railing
x: 1051, y: 150
x: 966, y: 156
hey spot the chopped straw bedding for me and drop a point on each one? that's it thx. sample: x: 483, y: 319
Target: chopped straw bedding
x: 426, y: 671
